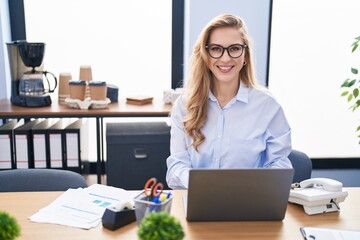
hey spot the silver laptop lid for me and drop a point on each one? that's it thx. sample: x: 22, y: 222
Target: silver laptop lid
x: 238, y: 194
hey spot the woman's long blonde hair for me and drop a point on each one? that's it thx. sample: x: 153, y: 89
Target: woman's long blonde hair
x: 200, y: 78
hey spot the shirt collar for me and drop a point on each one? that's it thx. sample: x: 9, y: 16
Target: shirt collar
x: 242, y: 94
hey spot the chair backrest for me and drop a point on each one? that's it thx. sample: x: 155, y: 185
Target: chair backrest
x: 302, y: 165
x: 30, y: 180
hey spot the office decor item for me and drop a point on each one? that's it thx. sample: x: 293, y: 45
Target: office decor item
x: 139, y: 100
x: 9, y: 227
x: 27, y: 85
x: 64, y: 91
x: 352, y: 85
x: 160, y: 225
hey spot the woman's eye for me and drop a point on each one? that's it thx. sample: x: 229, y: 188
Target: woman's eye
x: 216, y: 49
x: 235, y: 48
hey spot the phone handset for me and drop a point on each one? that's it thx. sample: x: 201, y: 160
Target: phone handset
x: 325, y: 183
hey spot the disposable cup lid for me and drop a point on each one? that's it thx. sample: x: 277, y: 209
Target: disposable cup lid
x: 97, y: 83
x: 77, y: 82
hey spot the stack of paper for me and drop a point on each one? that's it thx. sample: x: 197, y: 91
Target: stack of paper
x: 82, y: 207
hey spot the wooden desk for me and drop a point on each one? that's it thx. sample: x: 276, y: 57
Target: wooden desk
x: 120, y: 109
x: 23, y: 205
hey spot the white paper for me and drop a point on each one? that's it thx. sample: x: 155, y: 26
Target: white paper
x: 82, y: 207
x: 329, y: 234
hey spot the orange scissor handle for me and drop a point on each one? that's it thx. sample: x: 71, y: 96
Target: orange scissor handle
x: 157, y: 189
x: 153, y: 188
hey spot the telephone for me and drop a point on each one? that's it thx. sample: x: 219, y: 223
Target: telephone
x: 318, y: 195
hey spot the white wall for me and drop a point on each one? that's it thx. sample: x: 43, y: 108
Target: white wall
x: 310, y: 58
x: 255, y: 13
x: 4, y: 38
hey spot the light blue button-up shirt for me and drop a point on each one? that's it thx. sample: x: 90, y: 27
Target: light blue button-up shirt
x: 251, y: 131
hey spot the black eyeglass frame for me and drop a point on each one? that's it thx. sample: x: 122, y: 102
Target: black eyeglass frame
x: 243, y: 46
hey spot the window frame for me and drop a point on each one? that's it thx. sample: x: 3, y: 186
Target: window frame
x: 18, y: 32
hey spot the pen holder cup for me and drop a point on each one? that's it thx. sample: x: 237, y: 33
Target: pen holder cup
x: 144, y: 207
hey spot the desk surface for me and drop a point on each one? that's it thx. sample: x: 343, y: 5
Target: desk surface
x: 23, y: 205
x: 119, y: 109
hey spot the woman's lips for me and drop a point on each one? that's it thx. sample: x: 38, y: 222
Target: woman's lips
x: 225, y: 69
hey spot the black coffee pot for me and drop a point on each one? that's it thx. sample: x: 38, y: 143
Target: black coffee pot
x: 27, y: 82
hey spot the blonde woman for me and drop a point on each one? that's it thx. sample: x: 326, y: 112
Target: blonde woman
x: 224, y: 119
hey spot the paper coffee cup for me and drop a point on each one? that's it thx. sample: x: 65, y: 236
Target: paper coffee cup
x: 64, y: 79
x: 98, y: 90
x: 77, y: 89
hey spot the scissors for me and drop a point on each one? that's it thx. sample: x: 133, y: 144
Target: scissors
x: 153, y: 189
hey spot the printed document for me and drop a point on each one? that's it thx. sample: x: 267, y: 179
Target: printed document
x: 82, y: 207
x: 313, y: 233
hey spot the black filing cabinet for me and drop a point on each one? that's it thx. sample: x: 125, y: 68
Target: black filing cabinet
x: 136, y: 151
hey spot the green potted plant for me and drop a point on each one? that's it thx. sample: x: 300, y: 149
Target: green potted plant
x: 352, y: 85
x: 9, y: 227
x: 160, y: 225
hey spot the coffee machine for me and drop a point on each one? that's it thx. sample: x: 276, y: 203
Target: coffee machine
x: 26, y: 70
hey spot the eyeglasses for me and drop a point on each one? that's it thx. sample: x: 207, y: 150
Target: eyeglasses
x: 217, y: 51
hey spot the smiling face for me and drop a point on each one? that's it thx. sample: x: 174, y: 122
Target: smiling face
x: 226, y: 69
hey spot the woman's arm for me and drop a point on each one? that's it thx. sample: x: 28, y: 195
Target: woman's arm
x: 278, y: 142
x: 179, y: 162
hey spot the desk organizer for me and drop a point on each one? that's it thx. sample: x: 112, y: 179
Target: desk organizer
x: 143, y: 207
x: 87, y: 103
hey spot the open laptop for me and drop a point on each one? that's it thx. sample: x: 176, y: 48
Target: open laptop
x: 238, y: 194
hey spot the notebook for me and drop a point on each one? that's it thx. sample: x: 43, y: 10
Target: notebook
x: 238, y: 194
